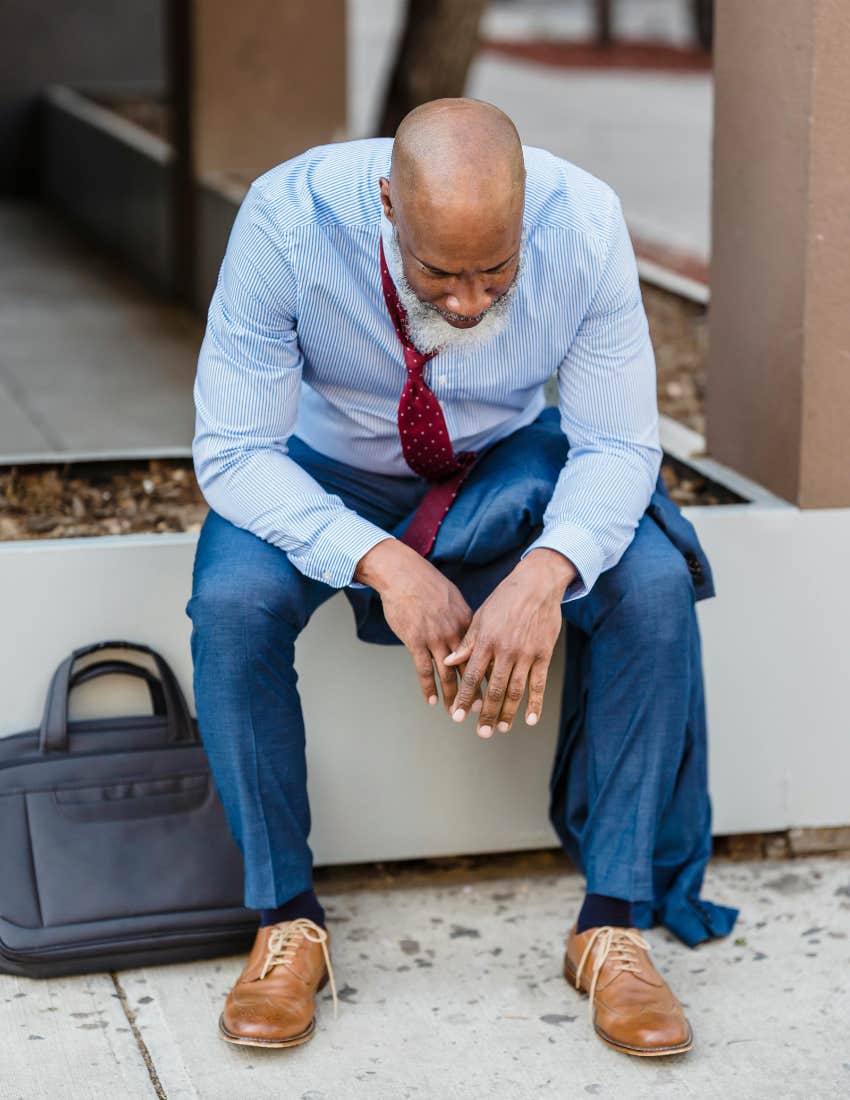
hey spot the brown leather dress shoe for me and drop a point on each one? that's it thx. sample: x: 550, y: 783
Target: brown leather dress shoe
x: 273, y: 1003
x: 631, y: 1006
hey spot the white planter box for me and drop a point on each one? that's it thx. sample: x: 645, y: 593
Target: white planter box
x: 389, y: 778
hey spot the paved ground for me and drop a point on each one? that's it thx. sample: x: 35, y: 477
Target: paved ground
x: 665, y: 21
x: 90, y: 361
x: 647, y: 134
x: 453, y: 990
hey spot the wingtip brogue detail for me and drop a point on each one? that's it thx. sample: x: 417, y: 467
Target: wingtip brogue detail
x: 631, y: 1006
x: 273, y: 1001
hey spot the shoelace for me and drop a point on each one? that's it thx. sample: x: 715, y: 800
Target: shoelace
x: 283, y: 943
x: 621, y: 944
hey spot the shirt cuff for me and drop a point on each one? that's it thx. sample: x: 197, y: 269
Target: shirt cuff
x: 580, y: 547
x: 334, y: 555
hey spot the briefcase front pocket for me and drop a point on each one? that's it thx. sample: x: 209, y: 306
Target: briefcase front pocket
x: 133, y: 799
x: 113, y: 849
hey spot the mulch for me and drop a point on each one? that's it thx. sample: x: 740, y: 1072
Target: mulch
x: 99, y: 498
x: 161, y: 495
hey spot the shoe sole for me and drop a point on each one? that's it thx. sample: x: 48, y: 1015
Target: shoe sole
x: 242, y: 1041
x: 624, y: 1048
x: 288, y: 1041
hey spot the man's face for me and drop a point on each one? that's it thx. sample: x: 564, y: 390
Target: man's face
x: 456, y: 261
x: 428, y: 326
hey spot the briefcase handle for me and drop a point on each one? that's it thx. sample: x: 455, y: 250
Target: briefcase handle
x: 122, y: 668
x: 53, y: 734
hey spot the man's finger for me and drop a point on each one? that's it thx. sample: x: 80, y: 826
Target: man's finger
x: 425, y: 671
x: 470, y: 681
x: 536, y: 687
x: 463, y: 651
x: 448, y: 676
x: 497, y: 685
x: 513, y: 697
x: 477, y: 702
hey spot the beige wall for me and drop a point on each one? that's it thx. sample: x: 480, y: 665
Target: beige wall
x: 779, y: 376
x: 269, y: 82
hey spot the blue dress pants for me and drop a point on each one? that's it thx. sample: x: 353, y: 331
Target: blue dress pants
x: 629, y: 793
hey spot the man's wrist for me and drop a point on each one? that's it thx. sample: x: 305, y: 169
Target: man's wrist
x: 382, y: 562
x: 555, y: 571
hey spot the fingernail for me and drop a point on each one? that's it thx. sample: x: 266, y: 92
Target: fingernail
x: 458, y: 715
x: 450, y: 657
x: 477, y: 705
x: 484, y: 731
x: 433, y: 701
x: 531, y: 720
x: 503, y: 727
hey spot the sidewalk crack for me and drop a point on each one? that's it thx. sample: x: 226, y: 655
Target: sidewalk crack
x: 131, y: 1020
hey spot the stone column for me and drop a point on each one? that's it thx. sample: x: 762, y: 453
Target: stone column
x: 269, y: 81
x: 779, y: 366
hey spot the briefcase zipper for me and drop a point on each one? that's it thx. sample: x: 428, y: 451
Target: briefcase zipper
x: 92, y: 948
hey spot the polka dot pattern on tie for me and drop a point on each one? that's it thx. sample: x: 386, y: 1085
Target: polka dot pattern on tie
x: 425, y: 441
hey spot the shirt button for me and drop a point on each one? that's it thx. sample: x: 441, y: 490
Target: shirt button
x: 442, y: 379
x: 326, y: 576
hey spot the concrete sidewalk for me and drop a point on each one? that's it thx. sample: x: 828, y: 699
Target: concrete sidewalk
x: 453, y: 991
x: 647, y: 134
x: 92, y: 363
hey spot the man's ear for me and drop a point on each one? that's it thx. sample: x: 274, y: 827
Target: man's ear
x: 386, y: 198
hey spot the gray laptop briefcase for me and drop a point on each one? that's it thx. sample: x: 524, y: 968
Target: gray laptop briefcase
x: 114, y: 847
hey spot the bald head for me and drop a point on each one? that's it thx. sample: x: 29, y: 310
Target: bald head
x: 457, y: 151
x: 455, y: 196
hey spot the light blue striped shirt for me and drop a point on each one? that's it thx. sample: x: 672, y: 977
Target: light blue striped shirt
x: 298, y: 340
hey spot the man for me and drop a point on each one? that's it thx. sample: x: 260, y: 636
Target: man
x: 370, y: 416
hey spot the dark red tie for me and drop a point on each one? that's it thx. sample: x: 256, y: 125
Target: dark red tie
x: 425, y: 439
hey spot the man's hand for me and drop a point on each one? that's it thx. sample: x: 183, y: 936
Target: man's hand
x: 426, y: 611
x: 510, y: 640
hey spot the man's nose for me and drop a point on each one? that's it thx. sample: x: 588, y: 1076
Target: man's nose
x: 469, y: 299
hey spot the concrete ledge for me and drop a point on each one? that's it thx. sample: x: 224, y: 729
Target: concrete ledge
x: 688, y: 446
x: 217, y: 203
x: 113, y: 178
x: 110, y: 177
x: 391, y: 779
x: 663, y: 277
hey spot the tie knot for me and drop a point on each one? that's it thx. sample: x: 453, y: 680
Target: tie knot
x: 414, y: 361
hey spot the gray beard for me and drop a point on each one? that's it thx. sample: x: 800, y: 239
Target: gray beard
x: 428, y: 329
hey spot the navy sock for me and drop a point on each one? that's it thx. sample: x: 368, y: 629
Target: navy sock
x: 599, y: 909
x: 302, y: 905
